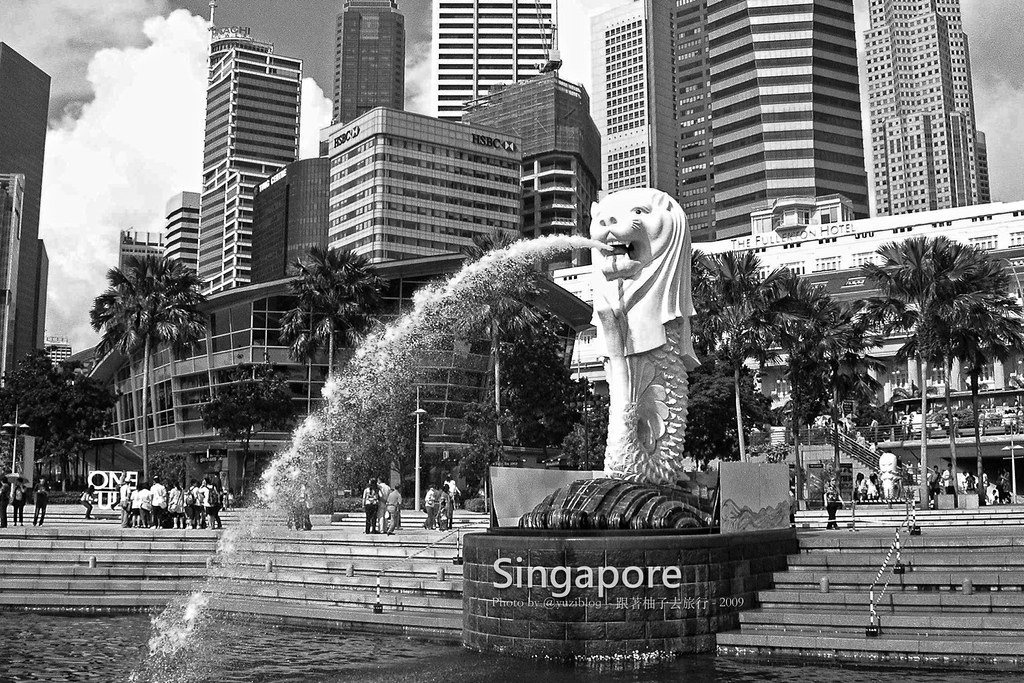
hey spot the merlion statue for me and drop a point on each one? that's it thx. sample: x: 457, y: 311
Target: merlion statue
x: 642, y: 309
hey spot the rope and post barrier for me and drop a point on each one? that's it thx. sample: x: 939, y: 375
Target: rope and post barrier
x: 874, y: 628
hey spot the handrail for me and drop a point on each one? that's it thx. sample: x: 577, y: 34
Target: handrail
x: 874, y: 628
x: 862, y: 453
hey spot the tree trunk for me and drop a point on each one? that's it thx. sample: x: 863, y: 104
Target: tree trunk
x: 795, y: 429
x: 835, y: 426
x: 739, y: 413
x: 922, y: 365
x: 495, y: 354
x: 330, y: 351
x: 952, y: 432
x: 245, y: 462
x: 145, y: 410
x: 977, y: 428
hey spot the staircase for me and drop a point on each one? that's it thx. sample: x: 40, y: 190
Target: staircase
x: 327, y: 576
x: 853, y: 448
x: 875, y: 515
x: 961, y: 598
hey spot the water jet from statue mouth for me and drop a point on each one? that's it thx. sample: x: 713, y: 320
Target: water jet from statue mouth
x: 620, y: 249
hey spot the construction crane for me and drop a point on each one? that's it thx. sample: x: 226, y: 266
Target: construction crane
x: 552, y: 60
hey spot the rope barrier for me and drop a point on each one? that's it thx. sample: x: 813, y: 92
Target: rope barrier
x: 874, y: 628
x: 378, y: 607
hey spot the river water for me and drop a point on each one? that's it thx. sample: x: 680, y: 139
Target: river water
x: 35, y: 647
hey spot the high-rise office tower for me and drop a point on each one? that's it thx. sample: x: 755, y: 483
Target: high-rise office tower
x: 925, y: 146
x: 786, y: 119
x: 561, y: 151
x: 181, y: 232
x: 633, y: 95
x: 139, y: 243
x: 289, y: 217
x: 252, y: 131
x: 24, y: 101
x: 12, y: 201
x: 58, y: 348
x: 481, y: 44
x: 369, y: 58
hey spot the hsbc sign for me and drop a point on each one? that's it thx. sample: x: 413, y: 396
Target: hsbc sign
x: 487, y: 141
x: 346, y: 136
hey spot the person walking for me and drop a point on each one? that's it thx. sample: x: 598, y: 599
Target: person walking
x: 39, y: 502
x: 430, y: 505
x: 385, y: 490
x: 5, y: 500
x: 211, y: 503
x: 159, y: 492
x: 833, y: 501
x: 18, y: 496
x: 176, y: 506
x: 191, y: 506
x: 87, y: 500
x: 146, y: 505
x: 393, y: 506
x: 453, y: 491
x: 124, y: 495
x: 444, y: 509
x: 201, y: 504
x: 135, y: 519
x: 371, y: 501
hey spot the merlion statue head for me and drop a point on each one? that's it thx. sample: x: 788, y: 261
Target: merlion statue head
x: 642, y: 275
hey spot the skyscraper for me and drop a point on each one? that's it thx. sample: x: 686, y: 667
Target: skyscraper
x: 561, y: 151
x: 369, y: 59
x: 181, y: 232
x: 927, y: 152
x: 12, y: 198
x: 289, y: 216
x: 252, y: 131
x: 633, y: 96
x: 24, y: 101
x: 481, y: 44
x: 786, y: 118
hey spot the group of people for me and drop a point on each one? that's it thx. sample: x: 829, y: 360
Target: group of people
x: 153, y: 505
x: 382, y: 505
x: 17, y: 494
x: 998, y: 492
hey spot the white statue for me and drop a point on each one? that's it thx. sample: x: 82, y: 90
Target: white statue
x: 887, y: 470
x: 642, y: 309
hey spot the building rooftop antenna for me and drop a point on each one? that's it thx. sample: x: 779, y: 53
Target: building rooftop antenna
x: 213, y: 10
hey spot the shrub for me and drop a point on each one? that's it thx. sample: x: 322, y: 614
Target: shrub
x: 476, y: 505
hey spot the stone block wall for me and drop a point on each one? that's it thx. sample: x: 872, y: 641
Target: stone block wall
x: 679, y: 611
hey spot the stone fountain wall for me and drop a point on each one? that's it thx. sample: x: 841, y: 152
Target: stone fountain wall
x: 718, y: 576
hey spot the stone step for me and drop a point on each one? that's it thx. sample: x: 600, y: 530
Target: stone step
x: 435, y: 625
x: 857, y: 601
x: 989, y: 558
x: 830, y: 622
x: 982, y: 651
x: 86, y: 585
x: 983, y: 577
x: 342, y: 597
x: 311, y: 581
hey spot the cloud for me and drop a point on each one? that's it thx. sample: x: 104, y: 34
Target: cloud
x: 61, y: 37
x: 419, y: 96
x: 316, y: 110
x: 137, y: 142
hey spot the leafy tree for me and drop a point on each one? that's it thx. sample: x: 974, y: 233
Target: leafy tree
x: 151, y: 300
x: 710, y: 431
x: 336, y: 293
x: 62, y: 405
x: 923, y: 282
x: 585, y: 445
x: 538, y: 387
x: 483, y: 448
x: 737, y: 315
x: 257, y: 399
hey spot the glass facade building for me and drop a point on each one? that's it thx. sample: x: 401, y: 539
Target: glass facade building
x: 289, y: 217
x: 561, y: 151
x: 252, y: 131
x: 369, y: 60
x: 12, y: 200
x: 24, y: 101
x: 405, y: 185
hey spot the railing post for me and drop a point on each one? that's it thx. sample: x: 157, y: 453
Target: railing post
x: 874, y: 628
x: 378, y: 608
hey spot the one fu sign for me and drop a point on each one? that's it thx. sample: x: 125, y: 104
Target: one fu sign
x: 106, y: 483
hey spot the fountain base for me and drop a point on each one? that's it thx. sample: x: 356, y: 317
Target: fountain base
x: 608, y: 594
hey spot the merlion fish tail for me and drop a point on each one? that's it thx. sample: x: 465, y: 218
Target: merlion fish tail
x: 648, y: 448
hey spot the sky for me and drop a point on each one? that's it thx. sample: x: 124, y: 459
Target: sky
x: 128, y: 98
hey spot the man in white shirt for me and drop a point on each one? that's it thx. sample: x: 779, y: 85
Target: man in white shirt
x: 124, y: 501
x: 159, y: 492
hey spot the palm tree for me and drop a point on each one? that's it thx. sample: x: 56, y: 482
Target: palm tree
x: 921, y: 283
x: 150, y: 300
x: 336, y: 293
x: 986, y: 328
x: 737, y: 313
x: 503, y: 316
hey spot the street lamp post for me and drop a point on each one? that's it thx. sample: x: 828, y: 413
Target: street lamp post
x: 1013, y: 467
x: 14, y: 448
x: 419, y: 413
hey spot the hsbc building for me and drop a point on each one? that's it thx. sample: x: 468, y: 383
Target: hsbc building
x: 404, y: 185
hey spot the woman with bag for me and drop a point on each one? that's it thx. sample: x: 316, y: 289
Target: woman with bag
x: 833, y: 501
